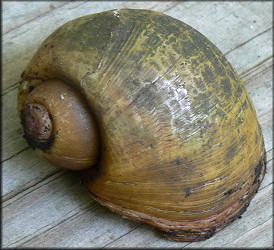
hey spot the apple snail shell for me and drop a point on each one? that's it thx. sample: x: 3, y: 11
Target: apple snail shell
x: 151, y: 112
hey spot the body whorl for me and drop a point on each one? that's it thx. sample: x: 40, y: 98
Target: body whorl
x: 181, y: 147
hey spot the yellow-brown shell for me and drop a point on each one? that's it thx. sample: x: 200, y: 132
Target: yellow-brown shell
x: 181, y: 147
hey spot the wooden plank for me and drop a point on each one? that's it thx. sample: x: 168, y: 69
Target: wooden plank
x: 94, y: 226
x: 60, y: 203
x: 268, y: 178
x: 251, y: 51
x: 259, y: 84
x: 30, y: 189
x: 144, y: 237
x: 12, y: 139
x: 18, y: 13
x: 44, y: 207
x: 260, y: 232
x: 31, y: 169
x: 226, y: 24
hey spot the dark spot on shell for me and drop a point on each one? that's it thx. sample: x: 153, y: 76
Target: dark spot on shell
x: 232, y: 150
x: 118, y: 112
x: 202, y: 104
x: 172, y: 39
x: 183, y: 64
x: 243, y: 139
x: 31, y: 88
x: 94, y: 195
x: 171, y: 233
x: 195, y: 92
x: 256, y: 138
x: 190, y: 234
x: 232, y: 74
x: 156, y: 65
x: 221, y: 114
x: 229, y: 192
x: 199, y: 84
x: 218, y: 67
x: 188, y: 192
x: 195, y: 65
x: 138, y: 55
x: 226, y: 85
x: 208, y: 75
x: 258, y: 170
x: 239, y: 91
x: 136, y: 82
x: 146, y: 97
x: 240, y: 121
x: 178, y: 162
x: 122, y: 35
x: 243, y: 209
x: 188, y: 49
x: 153, y: 40
x: 244, y: 106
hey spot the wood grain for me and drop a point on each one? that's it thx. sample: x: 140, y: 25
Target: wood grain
x: 44, y: 206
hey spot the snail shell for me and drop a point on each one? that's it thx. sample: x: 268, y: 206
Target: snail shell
x: 176, y: 144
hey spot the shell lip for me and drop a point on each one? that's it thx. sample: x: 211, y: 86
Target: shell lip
x: 198, y: 230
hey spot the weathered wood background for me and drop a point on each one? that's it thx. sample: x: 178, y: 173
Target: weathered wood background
x: 43, y: 206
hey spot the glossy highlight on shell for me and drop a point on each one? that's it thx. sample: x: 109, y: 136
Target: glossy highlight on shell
x: 177, y: 142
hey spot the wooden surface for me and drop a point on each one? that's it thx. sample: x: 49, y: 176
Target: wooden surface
x: 43, y: 206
